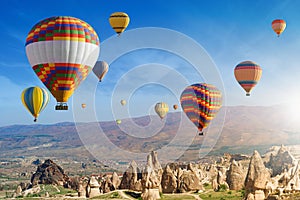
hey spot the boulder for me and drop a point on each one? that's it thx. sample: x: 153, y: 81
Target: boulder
x: 150, y: 194
x: 49, y: 173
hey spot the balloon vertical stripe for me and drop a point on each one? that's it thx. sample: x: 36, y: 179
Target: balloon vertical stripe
x: 35, y: 99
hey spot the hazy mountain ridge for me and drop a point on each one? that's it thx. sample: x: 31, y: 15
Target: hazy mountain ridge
x: 244, y: 126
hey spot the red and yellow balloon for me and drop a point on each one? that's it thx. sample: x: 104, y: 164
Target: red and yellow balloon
x: 278, y: 26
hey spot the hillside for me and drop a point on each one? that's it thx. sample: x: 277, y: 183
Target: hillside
x: 245, y: 128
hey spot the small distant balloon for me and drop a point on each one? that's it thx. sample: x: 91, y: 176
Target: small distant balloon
x: 118, y: 121
x: 247, y: 74
x: 35, y: 99
x: 119, y: 21
x: 100, y: 69
x: 175, y: 106
x: 278, y: 26
x: 83, y: 105
x: 123, y: 102
x: 161, y: 109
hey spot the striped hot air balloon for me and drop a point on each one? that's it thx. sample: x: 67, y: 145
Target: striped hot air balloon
x: 278, y: 25
x: 35, y: 99
x: 119, y: 21
x: 161, y: 109
x: 201, y: 102
x: 247, y: 74
x: 62, y: 51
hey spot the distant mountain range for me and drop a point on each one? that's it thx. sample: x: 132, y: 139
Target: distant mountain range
x: 245, y: 128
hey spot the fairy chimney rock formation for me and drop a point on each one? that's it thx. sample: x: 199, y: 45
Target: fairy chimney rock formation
x: 131, y: 178
x: 257, y: 176
x: 93, y: 186
x: 235, y: 176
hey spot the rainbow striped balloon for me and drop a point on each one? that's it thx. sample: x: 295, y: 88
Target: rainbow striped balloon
x: 201, y: 102
x: 62, y: 51
x: 247, y: 74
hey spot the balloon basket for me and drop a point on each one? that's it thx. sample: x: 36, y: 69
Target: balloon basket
x: 248, y: 94
x: 61, y: 107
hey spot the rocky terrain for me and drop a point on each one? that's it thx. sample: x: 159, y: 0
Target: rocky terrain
x: 273, y: 175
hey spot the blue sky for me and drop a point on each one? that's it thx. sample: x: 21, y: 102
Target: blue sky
x: 230, y: 31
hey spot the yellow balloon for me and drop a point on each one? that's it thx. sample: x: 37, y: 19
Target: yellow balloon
x: 161, y: 109
x: 123, y: 102
x: 35, y: 99
x: 119, y: 21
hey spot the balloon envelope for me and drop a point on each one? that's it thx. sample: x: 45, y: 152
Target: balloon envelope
x: 278, y: 26
x: 161, y: 109
x: 201, y: 102
x: 175, y: 106
x: 100, y: 69
x: 35, y: 99
x: 83, y: 105
x: 247, y: 74
x: 62, y: 51
x: 118, y: 121
x: 119, y: 21
x: 123, y: 102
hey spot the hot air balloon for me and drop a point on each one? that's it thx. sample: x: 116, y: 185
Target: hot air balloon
x: 119, y: 21
x: 62, y: 52
x: 278, y: 25
x: 83, y: 105
x: 100, y: 69
x: 123, y: 102
x: 35, y: 99
x: 175, y: 106
x: 247, y: 74
x: 201, y: 102
x: 161, y: 109
x: 118, y: 121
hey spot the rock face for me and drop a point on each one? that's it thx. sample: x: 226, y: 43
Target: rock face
x: 132, y: 178
x: 151, y: 177
x: 280, y: 162
x: 169, y: 181
x: 49, y: 173
x: 81, y: 190
x: 257, y: 176
x: 236, y: 176
x: 180, y: 178
x: 110, y: 183
x: 93, y: 188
